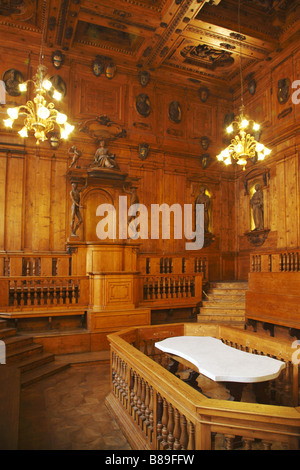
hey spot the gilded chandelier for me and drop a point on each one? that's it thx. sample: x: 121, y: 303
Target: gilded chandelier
x: 41, y: 117
x: 243, y: 146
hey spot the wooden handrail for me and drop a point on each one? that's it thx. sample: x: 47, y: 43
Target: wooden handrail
x: 163, y: 412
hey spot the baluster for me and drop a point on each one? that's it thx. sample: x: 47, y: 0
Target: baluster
x: 138, y: 400
x: 247, y: 443
x: 113, y: 364
x: 151, y: 419
x: 22, y: 293
x: 55, y: 301
x: 61, y: 298
x: 143, y: 406
x: 159, y: 413
x: 170, y: 427
x: 73, y: 298
x: 188, y: 293
x: 266, y: 444
x: 184, y: 437
x: 116, y: 361
x: 191, y: 443
x: 169, y: 288
x: 161, y: 266
x: 147, y: 409
x: 181, y: 280
x: 164, y: 422
x: 48, y: 291
x: 229, y: 441
x: 131, y: 394
x: 146, y: 289
x: 67, y: 291
x: 163, y: 295
x: 177, y: 431
x: 121, y: 382
x: 30, y: 299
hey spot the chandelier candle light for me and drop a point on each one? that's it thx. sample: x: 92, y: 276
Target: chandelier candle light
x: 41, y: 117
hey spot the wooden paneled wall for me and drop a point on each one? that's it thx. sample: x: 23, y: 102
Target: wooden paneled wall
x: 35, y: 202
x: 281, y: 169
x: 35, y: 206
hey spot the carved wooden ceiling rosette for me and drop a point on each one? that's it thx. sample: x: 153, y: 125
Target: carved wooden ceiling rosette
x: 193, y: 39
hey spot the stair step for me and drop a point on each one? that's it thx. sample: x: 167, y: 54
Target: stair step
x: 228, y: 303
x: 7, y: 332
x: 17, y: 342
x: 21, y: 353
x: 35, y: 362
x: 33, y: 376
x: 229, y: 285
x: 224, y: 291
x: 221, y: 311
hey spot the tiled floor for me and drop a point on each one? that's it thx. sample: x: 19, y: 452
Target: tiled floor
x: 67, y: 412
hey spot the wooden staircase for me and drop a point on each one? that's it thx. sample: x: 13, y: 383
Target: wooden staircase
x: 224, y: 303
x: 21, y: 352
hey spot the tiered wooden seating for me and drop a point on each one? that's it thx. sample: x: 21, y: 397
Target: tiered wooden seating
x: 273, y: 296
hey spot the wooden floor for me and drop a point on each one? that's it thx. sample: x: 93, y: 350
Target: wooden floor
x: 67, y: 412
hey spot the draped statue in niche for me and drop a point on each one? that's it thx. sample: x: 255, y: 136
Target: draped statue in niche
x: 204, y: 199
x: 257, y: 206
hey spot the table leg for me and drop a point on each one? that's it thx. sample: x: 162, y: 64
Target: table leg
x: 192, y: 380
x: 261, y: 392
x: 173, y: 366
x: 235, y: 389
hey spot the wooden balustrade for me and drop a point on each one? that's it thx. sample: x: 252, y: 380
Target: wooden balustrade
x: 163, y: 289
x: 173, y: 264
x: 30, y: 264
x: 158, y: 411
x: 37, y: 292
x: 286, y: 261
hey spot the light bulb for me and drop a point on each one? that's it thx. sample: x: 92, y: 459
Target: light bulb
x: 13, y: 113
x: 57, y: 95
x: 242, y: 161
x: 229, y: 129
x: 227, y: 161
x: 43, y: 112
x: 244, y: 123
x: 61, y: 118
x: 239, y: 148
x: 259, y: 147
x: 68, y: 128
x: 256, y: 126
x: 8, y: 122
x: 47, y: 84
x: 23, y: 86
x: 220, y: 157
x: 260, y: 156
x: 23, y: 132
x: 267, y: 151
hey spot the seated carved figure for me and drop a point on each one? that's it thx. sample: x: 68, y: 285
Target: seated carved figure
x: 103, y: 158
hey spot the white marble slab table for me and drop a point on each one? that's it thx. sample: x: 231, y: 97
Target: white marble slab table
x: 221, y: 363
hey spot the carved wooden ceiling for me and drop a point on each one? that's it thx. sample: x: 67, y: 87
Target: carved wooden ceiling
x: 196, y: 40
